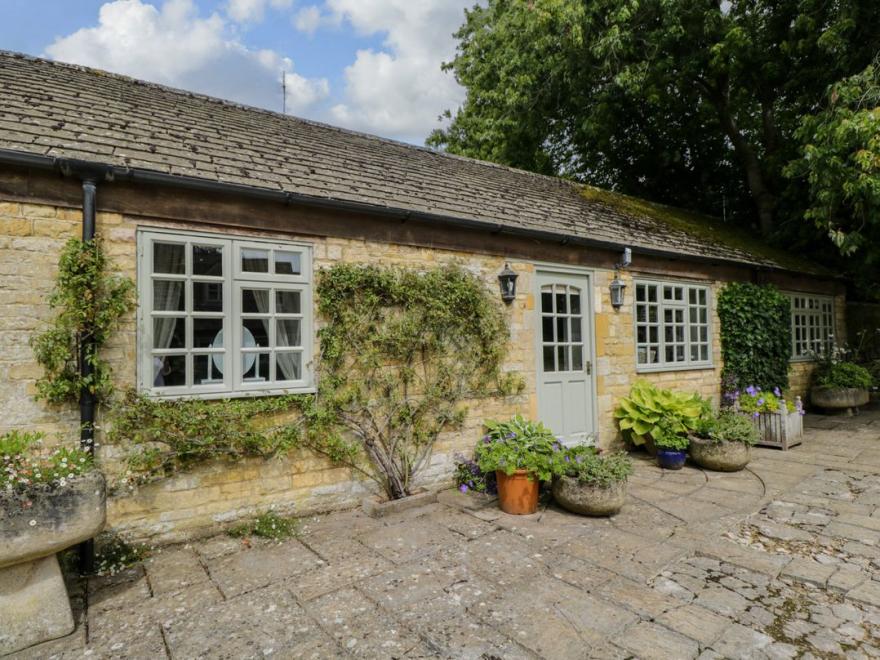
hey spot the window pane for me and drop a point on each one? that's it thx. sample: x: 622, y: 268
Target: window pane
x: 642, y: 354
x: 641, y: 334
x: 288, y: 366
x: 575, y: 300
x: 679, y: 353
x: 562, y: 329
x: 695, y: 352
x: 640, y: 293
x: 702, y: 296
x: 255, y: 332
x: 287, y: 332
x: 169, y: 333
x: 254, y: 261
x: 169, y: 258
x: 287, y: 302
x: 667, y: 293
x: 255, y: 367
x: 287, y: 263
x: 168, y: 296
x: 255, y: 301
x: 652, y: 294
x: 546, y: 328
x: 652, y: 314
x: 561, y: 305
x: 207, y: 260
x: 206, y: 333
x: 641, y: 313
x: 207, y: 296
x: 654, y: 334
x: 208, y: 369
x: 704, y: 352
x: 576, y: 328
x: 577, y: 358
x: 169, y: 371
x: 546, y: 302
x: 549, y: 362
x: 562, y: 358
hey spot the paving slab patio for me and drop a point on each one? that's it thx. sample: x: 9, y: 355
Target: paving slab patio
x: 781, y: 560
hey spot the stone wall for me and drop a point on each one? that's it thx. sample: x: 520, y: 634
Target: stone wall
x: 31, y: 237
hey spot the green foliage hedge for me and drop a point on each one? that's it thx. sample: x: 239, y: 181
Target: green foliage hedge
x: 755, y: 336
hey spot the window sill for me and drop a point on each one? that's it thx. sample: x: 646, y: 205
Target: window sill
x: 218, y: 396
x: 801, y: 360
x: 653, y: 369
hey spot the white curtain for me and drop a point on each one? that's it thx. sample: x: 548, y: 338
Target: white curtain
x: 166, y: 296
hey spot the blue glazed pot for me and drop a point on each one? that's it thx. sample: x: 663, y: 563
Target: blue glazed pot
x: 670, y: 459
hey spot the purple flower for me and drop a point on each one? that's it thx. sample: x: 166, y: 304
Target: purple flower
x: 567, y: 459
x: 777, y: 392
x: 487, y: 439
x: 510, y: 436
x: 751, y: 391
x: 756, y: 414
x: 557, y: 446
x: 463, y: 488
x: 761, y: 401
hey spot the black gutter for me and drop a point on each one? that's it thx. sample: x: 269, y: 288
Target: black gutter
x: 150, y: 177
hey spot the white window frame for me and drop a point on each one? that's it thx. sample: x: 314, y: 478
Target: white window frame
x: 688, y: 364
x: 234, y: 279
x: 818, y: 314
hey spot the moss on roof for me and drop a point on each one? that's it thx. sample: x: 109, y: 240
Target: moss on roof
x: 702, y: 227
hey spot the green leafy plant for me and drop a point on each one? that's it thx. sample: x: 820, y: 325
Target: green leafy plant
x: 589, y: 466
x: 162, y: 437
x: 650, y: 410
x: 842, y: 375
x: 671, y: 433
x: 401, y: 350
x: 518, y: 444
x: 88, y: 304
x: 469, y: 477
x: 267, y: 525
x: 753, y: 400
x: 727, y: 426
x: 25, y: 463
x: 755, y: 336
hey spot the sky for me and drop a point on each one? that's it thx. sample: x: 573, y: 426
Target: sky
x: 368, y: 65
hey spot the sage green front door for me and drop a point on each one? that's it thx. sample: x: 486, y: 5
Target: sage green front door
x: 565, y: 381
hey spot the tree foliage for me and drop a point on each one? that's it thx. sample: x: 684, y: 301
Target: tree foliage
x: 88, y: 302
x: 689, y: 103
x: 400, y: 353
x: 755, y: 336
x: 840, y: 161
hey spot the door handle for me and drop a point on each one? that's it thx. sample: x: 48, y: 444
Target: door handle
x: 588, y: 367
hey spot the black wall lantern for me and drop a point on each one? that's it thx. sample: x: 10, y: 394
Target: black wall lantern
x: 617, y: 285
x: 507, y: 284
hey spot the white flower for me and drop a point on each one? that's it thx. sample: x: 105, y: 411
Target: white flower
x: 32, y: 523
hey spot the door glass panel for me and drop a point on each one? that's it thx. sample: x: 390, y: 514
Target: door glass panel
x: 576, y: 328
x: 577, y: 358
x: 562, y: 329
x: 575, y: 300
x: 562, y: 358
x: 546, y: 300
x: 549, y: 361
x: 561, y: 304
x: 546, y: 328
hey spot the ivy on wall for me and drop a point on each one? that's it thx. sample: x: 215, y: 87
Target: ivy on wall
x: 88, y: 303
x: 755, y: 336
x: 401, y: 351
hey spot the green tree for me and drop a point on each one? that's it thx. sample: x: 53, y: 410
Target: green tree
x: 690, y: 103
x: 840, y: 161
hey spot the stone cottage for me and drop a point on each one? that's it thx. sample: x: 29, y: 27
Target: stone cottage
x: 223, y: 213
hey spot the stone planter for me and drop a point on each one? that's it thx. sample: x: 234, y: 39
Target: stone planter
x: 848, y: 398
x: 34, y: 525
x: 781, y: 430
x: 720, y: 456
x: 588, y: 499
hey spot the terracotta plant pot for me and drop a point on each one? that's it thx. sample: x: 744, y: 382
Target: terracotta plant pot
x: 720, y: 456
x: 589, y: 499
x: 517, y: 494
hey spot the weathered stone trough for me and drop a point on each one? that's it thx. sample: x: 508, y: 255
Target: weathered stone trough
x: 34, y: 526
x: 845, y: 398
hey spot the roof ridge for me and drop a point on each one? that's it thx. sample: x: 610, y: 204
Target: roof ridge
x: 279, y: 115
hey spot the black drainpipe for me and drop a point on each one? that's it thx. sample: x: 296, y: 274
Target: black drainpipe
x: 89, y: 174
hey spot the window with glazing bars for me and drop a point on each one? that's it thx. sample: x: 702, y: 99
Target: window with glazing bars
x: 812, y: 324
x: 672, y: 325
x: 222, y: 316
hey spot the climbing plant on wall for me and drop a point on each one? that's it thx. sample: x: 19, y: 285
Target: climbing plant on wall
x: 88, y: 303
x: 400, y: 352
x: 755, y: 336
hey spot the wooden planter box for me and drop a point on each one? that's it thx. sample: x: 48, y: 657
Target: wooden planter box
x: 782, y: 430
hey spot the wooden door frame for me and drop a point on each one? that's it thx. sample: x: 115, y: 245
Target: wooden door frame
x: 541, y: 267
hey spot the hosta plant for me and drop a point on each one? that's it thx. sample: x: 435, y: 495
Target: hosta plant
x: 647, y: 406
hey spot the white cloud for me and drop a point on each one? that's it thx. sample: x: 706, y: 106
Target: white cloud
x: 400, y: 90
x: 308, y: 19
x: 252, y: 11
x: 176, y: 46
